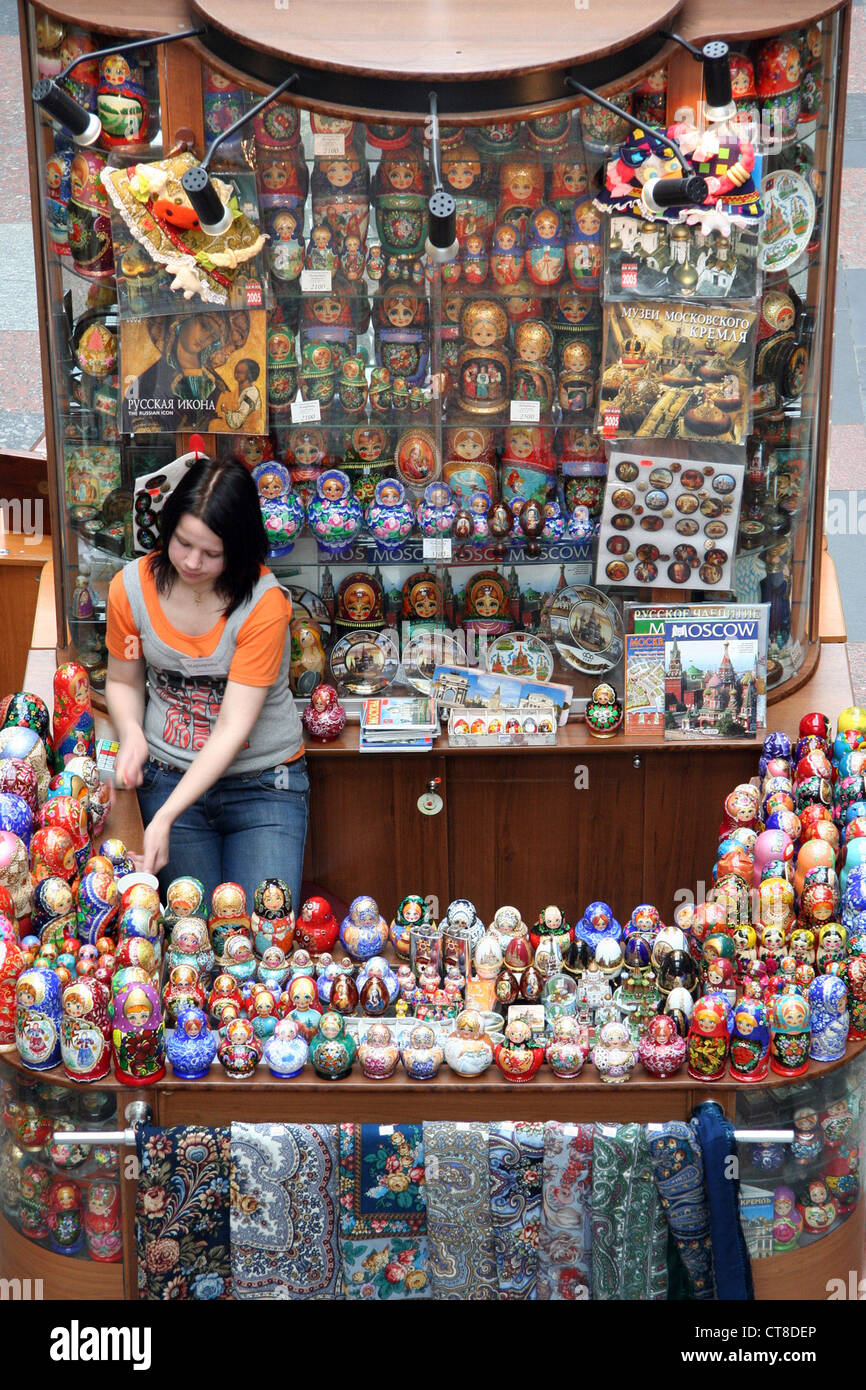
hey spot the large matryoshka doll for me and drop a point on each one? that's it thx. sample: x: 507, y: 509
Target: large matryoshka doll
x: 69, y: 814
x: 360, y: 604
x: 15, y: 871
x: 750, y: 1041
x: 400, y: 200
x: 285, y: 223
x: 102, y: 1221
x: 528, y: 466
x: 121, y: 101
x: 828, y: 1003
x: 484, y: 366
x: 88, y: 217
x: 85, y: 1031
x: 137, y: 1034
x: 521, y: 190
x: 544, y: 241
x: 790, y: 1033
x: 465, y: 177
x: 73, y: 716
x: 11, y: 966
x: 708, y: 1040
x: 273, y: 918
x: 37, y: 1018
x: 401, y: 331
x: 22, y: 710
x: 23, y: 743
x: 487, y: 604
x: 470, y: 461
x: 283, y: 180
x: 340, y: 189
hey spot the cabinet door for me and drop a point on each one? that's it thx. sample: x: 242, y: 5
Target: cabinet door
x: 538, y: 828
x: 367, y: 834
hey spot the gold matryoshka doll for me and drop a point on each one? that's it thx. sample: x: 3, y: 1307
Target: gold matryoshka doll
x: 487, y: 604
x: 483, y: 369
x: 360, y: 604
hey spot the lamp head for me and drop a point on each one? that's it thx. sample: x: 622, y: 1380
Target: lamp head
x: 214, y: 217
x: 719, y: 104
x: 84, y: 127
x: 442, y: 245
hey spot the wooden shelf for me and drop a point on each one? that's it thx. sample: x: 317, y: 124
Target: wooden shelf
x: 60, y: 1277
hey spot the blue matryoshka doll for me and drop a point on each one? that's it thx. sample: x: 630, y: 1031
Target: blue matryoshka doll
x: 389, y: 517
x: 828, y: 1001
x: 38, y: 1014
x: 750, y: 1041
x: 333, y: 515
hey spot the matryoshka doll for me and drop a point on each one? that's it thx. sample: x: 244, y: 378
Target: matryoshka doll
x: 790, y: 1034
x: 137, y: 1035
x: 340, y: 196
x: 282, y: 365
x: 38, y: 1012
x: 470, y: 461
x: 854, y: 974
x: 583, y: 248
x: 528, y: 466
x: 64, y: 1217
x: 708, y: 1040
x: 102, y: 1221
x: 412, y: 912
x: 436, y: 511
x: 12, y: 963
x: 97, y: 904
x: 121, y: 101
x: 360, y: 604
x: 316, y: 928
x: 400, y: 200
x: 483, y: 369
x: 308, y: 656
x: 332, y: 1050
x: 273, y: 919
x: 544, y: 243
x: 787, y: 1221
x: 516, y: 1057
x: 306, y: 455
x: 488, y: 604
x: 389, y: 517
x: 378, y: 1053
x: 333, y: 515
x: 73, y: 716
x: 811, y: 66
x: 239, y: 1050
x: 85, y: 1031
x: 816, y: 1207
x: 401, y: 320
x: 58, y: 189
x: 832, y: 944
x: 507, y: 254
x: 750, y: 1042
x: 324, y: 718
x: 777, y: 81
x: 88, y: 217
x: 364, y: 931
x: 417, y: 459
x: 521, y: 190
x: 828, y: 1003
x: 465, y: 178
x: 423, y: 603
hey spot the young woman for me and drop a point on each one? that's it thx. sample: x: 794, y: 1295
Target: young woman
x: 199, y: 695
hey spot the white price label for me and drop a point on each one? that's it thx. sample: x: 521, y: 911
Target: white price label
x: 306, y: 412
x: 436, y: 548
x: 315, y: 282
x: 385, y: 1130
x: 525, y: 412
x: 329, y: 144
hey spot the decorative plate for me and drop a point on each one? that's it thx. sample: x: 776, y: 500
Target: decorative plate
x: 586, y: 628
x: 520, y: 654
x: 424, y: 652
x: 364, y: 663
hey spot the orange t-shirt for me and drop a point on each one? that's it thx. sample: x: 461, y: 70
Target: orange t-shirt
x: 260, y: 641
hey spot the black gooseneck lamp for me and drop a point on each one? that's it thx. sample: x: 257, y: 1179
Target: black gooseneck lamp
x: 656, y: 194
x: 214, y: 217
x: 442, y: 245
x: 719, y: 104
x: 85, y: 127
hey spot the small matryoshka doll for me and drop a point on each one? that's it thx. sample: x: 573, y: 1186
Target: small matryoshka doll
x: 85, y: 1033
x: 102, y: 1221
x: 464, y: 177
x: 12, y: 963
x: 507, y: 254
x: 273, y: 918
x: 545, y: 246
x: 364, y: 931
x: 282, y: 365
x: 436, y: 511
x: 790, y: 1034
x: 137, y: 1035
x: 38, y: 1012
x: 832, y: 945
x: 97, y: 904
x: 583, y: 245
x: 64, y: 1217
x: 332, y: 1050
x: 412, y: 912
x: 750, y: 1041
x: 88, y: 218
x: 333, y: 515
x: 708, y: 1040
x: 286, y: 249
x: 239, y: 1051
x: 121, y: 101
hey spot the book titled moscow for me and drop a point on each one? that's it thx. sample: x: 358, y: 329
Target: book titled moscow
x: 712, y: 676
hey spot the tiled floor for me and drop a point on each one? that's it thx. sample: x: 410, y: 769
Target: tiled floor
x: 21, y: 420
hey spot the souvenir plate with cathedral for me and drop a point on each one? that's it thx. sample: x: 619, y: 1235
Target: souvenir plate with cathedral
x: 587, y: 629
x: 520, y: 654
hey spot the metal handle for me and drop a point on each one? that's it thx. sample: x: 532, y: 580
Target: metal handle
x: 764, y: 1136
x: 137, y: 1113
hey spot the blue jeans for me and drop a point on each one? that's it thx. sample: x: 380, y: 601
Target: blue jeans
x: 242, y: 830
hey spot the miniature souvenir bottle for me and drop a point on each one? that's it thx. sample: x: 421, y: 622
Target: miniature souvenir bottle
x: 378, y: 1054
x: 364, y: 932
x: 422, y: 1056
x: 102, y: 1222
x: 38, y: 1012
x: 85, y: 1031
x: 286, y: 1053
x: 568, y: 1048
x: 614, y: 1054
x: 191, y: 1047
x: 137, y: 1035
x: 273, y: 921
x: 750, y: 1041
x: 468, y: 1051
x: 240, y: 1051
x: 332, y: 1051
x: 790, y: 1034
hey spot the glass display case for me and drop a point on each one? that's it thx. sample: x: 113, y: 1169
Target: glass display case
x: 431, y: 438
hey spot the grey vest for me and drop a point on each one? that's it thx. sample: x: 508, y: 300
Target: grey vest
x: 184, y: 693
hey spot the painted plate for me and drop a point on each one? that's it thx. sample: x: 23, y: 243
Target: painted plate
x: 364, y: 663
x: 520, y: 654
x: 586, y: 628
x: 424, y: 652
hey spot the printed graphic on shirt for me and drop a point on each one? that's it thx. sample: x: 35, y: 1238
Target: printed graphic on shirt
x: 192, y: 705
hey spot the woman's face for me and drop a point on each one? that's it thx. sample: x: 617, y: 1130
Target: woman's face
x: 196, y: 552
x: 196, y: 333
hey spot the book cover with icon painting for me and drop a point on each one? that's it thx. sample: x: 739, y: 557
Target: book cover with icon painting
x: 675, y: 371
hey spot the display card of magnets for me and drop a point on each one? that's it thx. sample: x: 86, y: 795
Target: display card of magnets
x: 151, y: 492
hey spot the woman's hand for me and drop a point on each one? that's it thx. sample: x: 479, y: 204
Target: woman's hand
x: 154, y: 852
x: 131, y: 757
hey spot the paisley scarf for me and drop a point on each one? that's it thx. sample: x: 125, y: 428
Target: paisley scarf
x: 516, y: 1161
x: 629, y: 1231
x: 182, y: 1213
x: 565, y: 1238
x: 383, y: 1212
x: 679, y: 1177
x: 284, y: 1231
x: 459, y: 1230
x: 715, y: 1135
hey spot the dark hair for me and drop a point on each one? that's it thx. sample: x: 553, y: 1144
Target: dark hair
x: 252, y: 367
x: 224, y: 497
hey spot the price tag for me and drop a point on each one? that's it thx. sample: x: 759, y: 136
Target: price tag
x: 315, y: 282
x: 610, y: 423
x: 525, y: 412
x: 306, y: 412
x: 385, y: 1130
x: 329, y: 144
x: 629, y: 275
x: 436, y: 548
x: 254, y: 296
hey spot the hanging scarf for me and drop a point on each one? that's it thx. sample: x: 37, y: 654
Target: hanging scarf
x: 383, y: 1212
x: 516, y: 1161
x: 565, y: 1238
x: 285, y: 1240
x: 182, y: 1213
x: 679, y: 1177
x: 459, y: 1230
x: 629, y: 1231
x: 715, y: 1135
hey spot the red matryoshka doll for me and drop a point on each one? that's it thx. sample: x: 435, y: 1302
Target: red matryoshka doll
x: 52, y: 854
x: 836, y: 1122
x: 58, y: 188
x: 85, y: 1031
x: 340, y: 189
x: 816, y: 1207
x: 649, y: 98
x: 73, y: 716
x: 569, y: 181
x: 819, y: 901
x: 521, y: 190
x: 11, y: 966
x: 812, y: 79
x: 273, y: 920
x: 506, y: 254
x: 743, y: 85
x: 400, y: 199
x: 750, y: 1042
x: 790, y: 1034
x: 88, y: 218
x: 488, y: 604
x: 465, y: 178
x: 69, y: 814
x: 417, y: 458
x: 137, y: 1034
x: 475, y: 260
x: 777, y: 82
x: 853, y: 971
x: 360, y: 604
x: 708, y: 1040
x: 544, y: 241
x: 121, y: 101
x: 83, y: 81
x: 316, y: 928
x: 102, y: 1221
